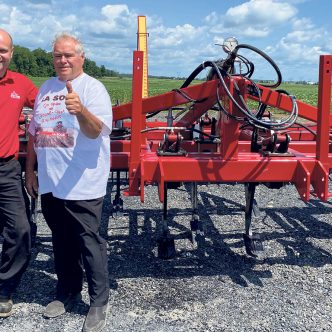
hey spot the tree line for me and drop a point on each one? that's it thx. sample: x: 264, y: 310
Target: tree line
x: 39, y: 63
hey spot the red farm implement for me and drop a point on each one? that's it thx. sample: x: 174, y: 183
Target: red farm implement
x: 238, y: 145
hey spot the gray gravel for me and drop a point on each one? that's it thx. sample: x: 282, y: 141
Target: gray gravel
x: 218, y: 288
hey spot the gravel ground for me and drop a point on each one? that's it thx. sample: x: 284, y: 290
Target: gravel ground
x: 216, y: 287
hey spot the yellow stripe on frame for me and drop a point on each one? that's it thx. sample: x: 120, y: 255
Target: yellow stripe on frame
x: 142, y: 45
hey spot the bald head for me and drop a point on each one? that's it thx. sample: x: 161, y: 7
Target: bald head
x: 5, y: 35
x: 6, y: 51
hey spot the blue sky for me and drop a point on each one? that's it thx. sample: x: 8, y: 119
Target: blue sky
x: 182, y: 33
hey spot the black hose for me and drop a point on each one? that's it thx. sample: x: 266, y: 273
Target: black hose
x: 193, y: 75
x: 224, y: 68
x: 267, y: 58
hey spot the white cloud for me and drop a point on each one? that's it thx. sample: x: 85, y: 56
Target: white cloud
x: 254, y: 18
x: 112, y: 12
x: 303, y: 23
x: 300, y: 52
x: 260, y: 13
x: 301, y: 36
x: 173, y: 37
x: 39, y: 4
x: 254, y: 32
x: 5, y: 13
x: 19, y: 22
x: 116, y: 21
x: 212, y: 19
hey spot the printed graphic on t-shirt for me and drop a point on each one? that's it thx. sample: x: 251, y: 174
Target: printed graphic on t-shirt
x: 54, y: 125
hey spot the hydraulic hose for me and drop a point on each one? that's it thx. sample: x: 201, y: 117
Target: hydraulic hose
x: 267, y: 58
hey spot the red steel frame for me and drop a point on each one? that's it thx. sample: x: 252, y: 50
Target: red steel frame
x: 307, y: 167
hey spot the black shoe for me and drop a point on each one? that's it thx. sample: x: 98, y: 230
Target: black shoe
x: 61, y: 304
x: 95, y: 320
x: 6, y: 306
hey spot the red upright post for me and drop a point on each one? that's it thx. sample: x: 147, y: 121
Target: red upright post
x: 230, y: 131
x: 137, y: 122
x: 324, y: 108
x: 320, y: 174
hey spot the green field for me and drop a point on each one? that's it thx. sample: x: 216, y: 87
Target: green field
x: 120, y: 88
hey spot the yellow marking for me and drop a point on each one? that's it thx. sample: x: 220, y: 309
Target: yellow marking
x: 142, y: 45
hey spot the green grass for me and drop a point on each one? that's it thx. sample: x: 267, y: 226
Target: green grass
x: 38, y: 80
x: 120, y: 88
x: 305, y: 92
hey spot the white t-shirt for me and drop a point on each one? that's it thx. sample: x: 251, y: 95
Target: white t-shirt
x: 71, y: 165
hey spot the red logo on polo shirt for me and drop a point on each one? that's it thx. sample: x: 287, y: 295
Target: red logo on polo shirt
x: 14, y: 95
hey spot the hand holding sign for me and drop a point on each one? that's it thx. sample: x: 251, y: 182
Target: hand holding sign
x: 73, y: 101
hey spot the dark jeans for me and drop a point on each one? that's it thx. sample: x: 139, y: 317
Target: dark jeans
x: 15, y: 227
x: 76, y: 240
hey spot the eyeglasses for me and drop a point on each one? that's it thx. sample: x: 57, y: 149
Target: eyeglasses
x: 58, y: 56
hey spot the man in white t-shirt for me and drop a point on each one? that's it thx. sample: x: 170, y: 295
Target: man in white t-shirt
x: 69, y: 138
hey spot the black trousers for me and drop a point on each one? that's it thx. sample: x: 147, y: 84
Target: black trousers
x: 77, y: 243
x: 15, y: 227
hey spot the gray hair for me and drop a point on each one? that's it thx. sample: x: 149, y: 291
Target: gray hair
x: 64, y: 35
